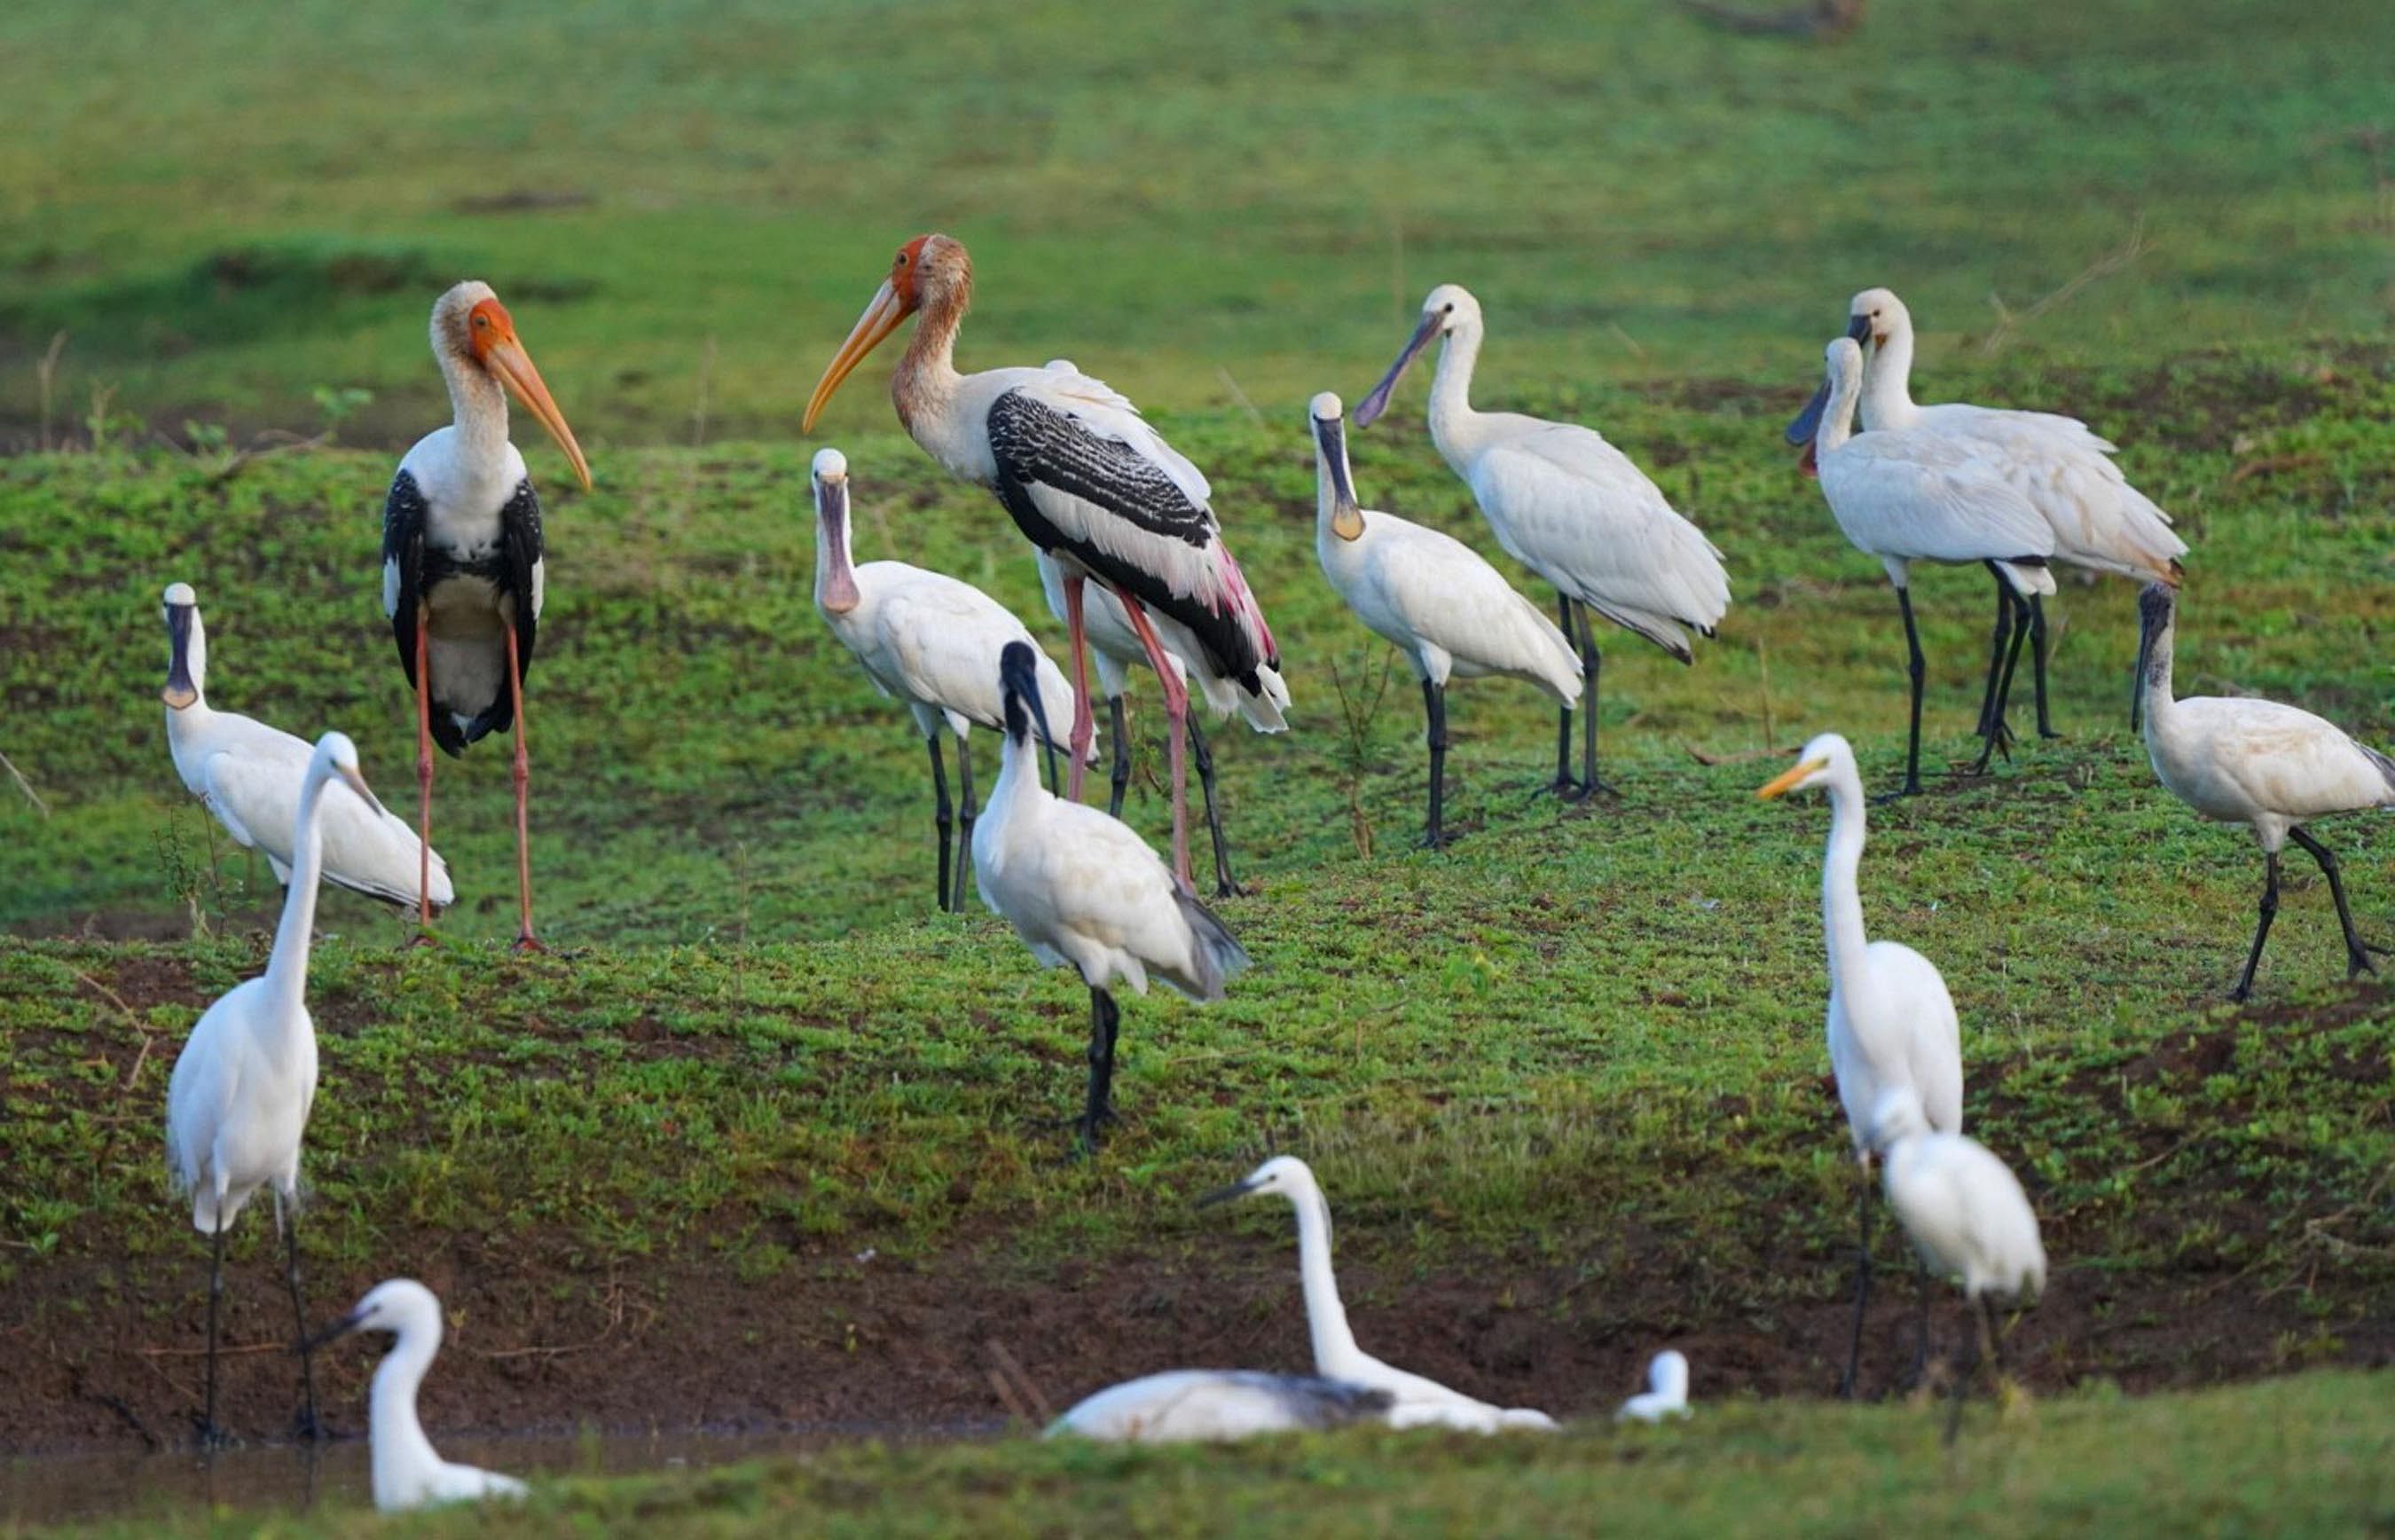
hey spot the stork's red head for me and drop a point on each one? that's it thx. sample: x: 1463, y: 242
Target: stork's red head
x: 928, y: 272
x: 469, y: 320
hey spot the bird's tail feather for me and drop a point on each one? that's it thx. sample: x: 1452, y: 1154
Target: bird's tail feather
x: 1217, y: 955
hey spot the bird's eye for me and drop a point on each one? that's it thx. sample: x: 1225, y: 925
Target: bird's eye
x: 1446, y: 310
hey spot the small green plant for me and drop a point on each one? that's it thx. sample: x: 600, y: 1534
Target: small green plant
x: 337, y: 403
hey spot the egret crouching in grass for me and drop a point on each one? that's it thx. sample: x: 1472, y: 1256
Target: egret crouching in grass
x: 1431, y: 596
x: 249, y: 776
x: 407, y: 1474
x: 1218, y: 1405
x: 1419, y: 1402
x: 238, y: 1101
x: 1667, y: 1391
x: 1083, y: 890
x: 2259, y: 763
x: 926, y: 639
x: 1891, y: 1021
x: 1967, y: 1217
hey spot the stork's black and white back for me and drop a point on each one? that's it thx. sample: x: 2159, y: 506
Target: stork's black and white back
x: 462, y: 552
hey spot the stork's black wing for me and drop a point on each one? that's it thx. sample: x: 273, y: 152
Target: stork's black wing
x: 522, y: 557
x: 403, y: 566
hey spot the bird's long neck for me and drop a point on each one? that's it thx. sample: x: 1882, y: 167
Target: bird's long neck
x: 924, y: 386
x: 1841, y: 901
x: 1452, y: 417
x: 1018, y: 768
x: 286, y: 966
x: 2161, y: 701
x: 403, y: 1457
x: 1326, y: 1317
x: 478, y: 405
x: 1887, y: 382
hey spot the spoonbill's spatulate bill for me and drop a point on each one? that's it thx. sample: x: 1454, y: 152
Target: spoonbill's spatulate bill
x: 238, y: 1101
x: 1908, y: 495
x: 1570, y: 507
x: 1418, y: 1402
x: 1891, y: 1021
x: 462, y: 557
x: 1085, y: 478
x: 929, y: 640
x: 2270, y: 767
x: 1085, y: 892
x: 407, y: 1473
x: 1967, y: 1216
x: 1430, y: 595
x: 1666, y: 1394
x: 249, y: 774
x: 1219, y: 1405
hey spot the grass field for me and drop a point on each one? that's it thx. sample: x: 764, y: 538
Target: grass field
x: 765, y: 1146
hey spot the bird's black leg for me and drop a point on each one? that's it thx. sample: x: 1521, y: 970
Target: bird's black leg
x: 1918, y: 667
x: 1996, y: 647
x: 943, y: 816
x: 1121, y: 781
x: 964, y: 820
x: 1592, y: 661
x: 2357, y: 951
x: 1921, y: 1340
x: 212, y: 1436
x: 1962, y: 1380
x: 1994, y: 1338
x: 1862, y: 1286
x: 1999, y: 734
x: 289, y: 1217
x: 2261, y: 932
x: 1105, y: 1020
x: 1203, y: 758
x: 2037, y: 651
x: 1565, y: 787
x: 1434, y: 709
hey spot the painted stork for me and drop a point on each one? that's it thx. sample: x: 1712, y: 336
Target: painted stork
x: 926, y: 639
x: 1908, y: 495
x: 461, y: 559
x: 1967, y: 1217
x: 2100, y: 522
x: 407, y: 1473
x: 238, y: 1100
x: 1085, y: 478
x: 1570, y: 507
x: 1420, y: 1402
x: 1217, y: 1406
x: 1892, y: 1022
x: 1083, y: 890
x: 1431, y: 595
x: 2267, y: 766
x: 249, y: 776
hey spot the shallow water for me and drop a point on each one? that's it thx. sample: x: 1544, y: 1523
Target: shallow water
x: 131, y: 1484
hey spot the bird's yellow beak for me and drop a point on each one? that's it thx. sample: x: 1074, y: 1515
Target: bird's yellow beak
x: 1787, y: 783
x: 881, y: 318
x: 508, y: 360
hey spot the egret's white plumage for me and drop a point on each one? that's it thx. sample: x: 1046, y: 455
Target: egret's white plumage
x: 1429, y: 594
x: 2270, y: 767
x: 1218, y: 1405
x: 1666, y: 1394
x: 1418, y: 1402
x: 407, y: 1472
x: 249, y: 776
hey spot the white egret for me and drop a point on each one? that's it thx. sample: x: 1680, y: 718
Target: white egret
x: 249, y: 776
x: 407, y: 1473
x: 238, y: 1101
x: 1430, y: 595
x: 1891, y: 1020
x: 1419, y: 1402
x: 1666, y: 1394
x: 927, y: 639
x: 1570, y: 507
x: 1083, y: 890
x: 2267, y: 766
x: 1219, y: 1405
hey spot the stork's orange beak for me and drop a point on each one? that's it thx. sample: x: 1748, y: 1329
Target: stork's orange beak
x: 508, y: 360
x: 881, y: 318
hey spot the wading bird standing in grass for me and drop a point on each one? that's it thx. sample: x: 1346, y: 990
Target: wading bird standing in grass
x: 1085, y: 892
x: 1891, y: 1021
x: 1666, y: 1394
x: 1967, y: 1216
x: 462, y: 555
x: 1419, y: 1402
x: 2267, y: 766
x: 249, y: 774
x: 1570, y: 507
x: 1432, y: 596
x: 407, y: 1474
x: 2100, y: 521
x: 928, y: 640
x: 1218, y: 1405
x: 1085, y: 478
x: 238, y: 1101
x: 1907, y: 494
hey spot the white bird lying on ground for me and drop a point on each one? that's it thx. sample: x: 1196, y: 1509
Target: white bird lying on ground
x: 249, y: 776
x: 1667, y: 1392
x: 1431, y: 596
x: 1420, y: 1402
x: 407, y: 1473
x: 1215, y: 1405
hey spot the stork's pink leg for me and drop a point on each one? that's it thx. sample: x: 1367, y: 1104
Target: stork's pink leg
x: 1176, y: 711
x: 423, y: 781
x: 525, y: 940
x: 1085, y: 720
